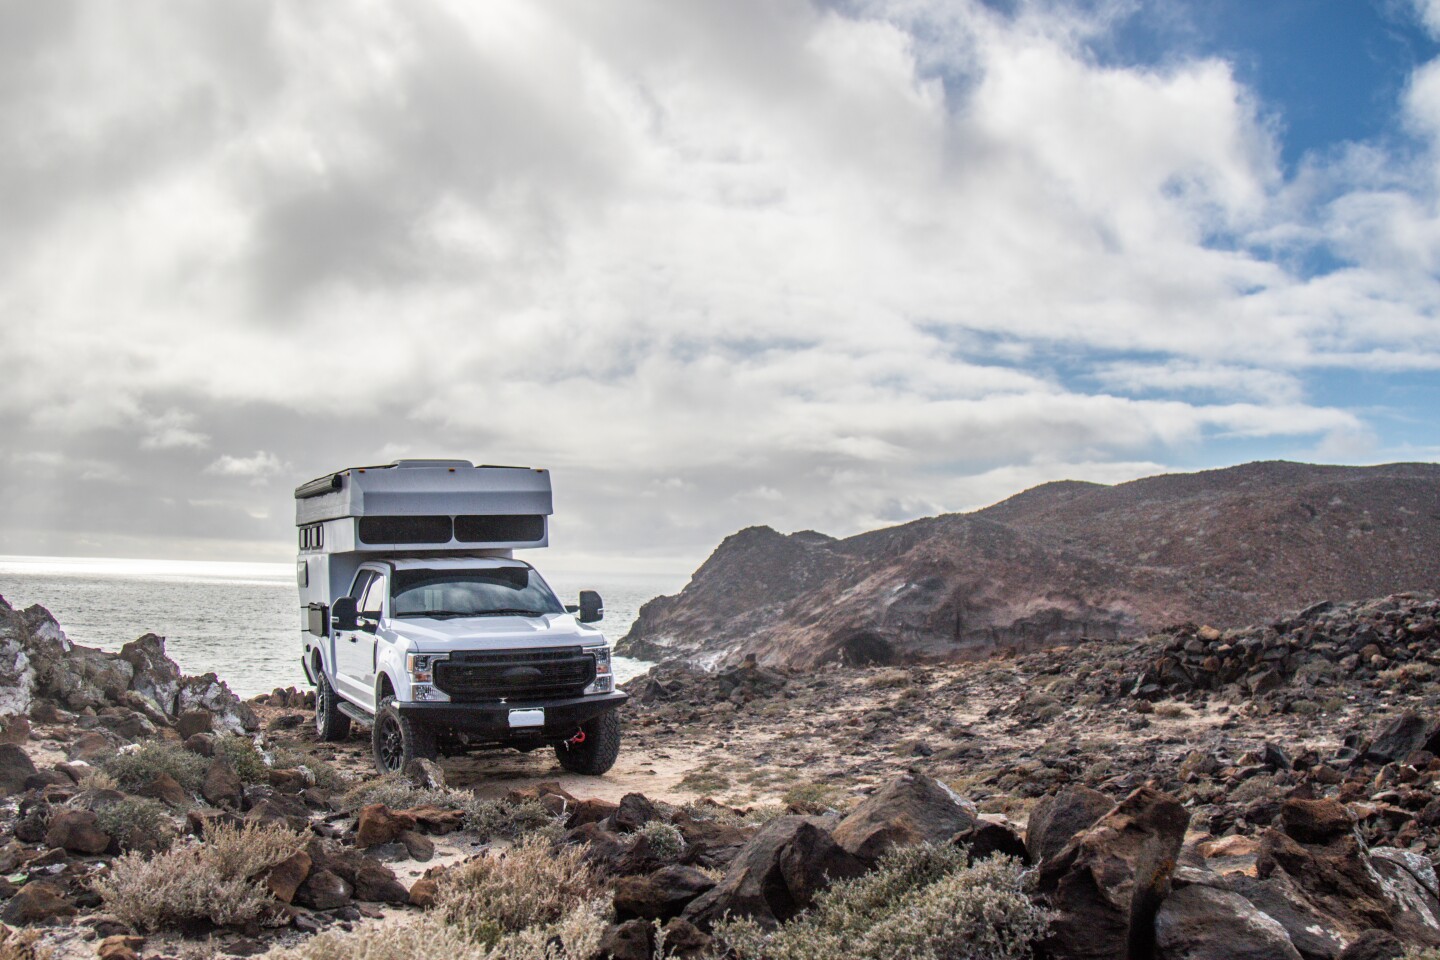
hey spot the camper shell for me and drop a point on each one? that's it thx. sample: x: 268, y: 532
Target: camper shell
x: 417, y: 620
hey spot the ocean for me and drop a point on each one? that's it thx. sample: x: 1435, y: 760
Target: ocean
x: 240, y: 620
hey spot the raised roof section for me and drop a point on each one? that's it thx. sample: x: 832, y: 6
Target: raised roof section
x: 425, y: 488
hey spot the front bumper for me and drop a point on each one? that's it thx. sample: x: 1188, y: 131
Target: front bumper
x: 492, y: 720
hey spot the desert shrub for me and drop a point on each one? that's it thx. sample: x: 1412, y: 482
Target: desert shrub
x: 141, y: 815
x: 1256, y: 788
x: 243, y: 756
x: 664, y: 839
x: 813, y: 796
x: 398, y: 793
x: 212, y: 880
x: 22, y: 945
x: 920, y: 903
x: 1422, y: 953
x: 133, y: 769
x: 325, y: 774
x: 1171, y: 710
x: 529, y: 885
x: 97, y: 779
x: 575, y: 936
x: 704, y: 781
x: 500, y: 818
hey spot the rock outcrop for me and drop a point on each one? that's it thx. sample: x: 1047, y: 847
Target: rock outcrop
x: 1057, y: 563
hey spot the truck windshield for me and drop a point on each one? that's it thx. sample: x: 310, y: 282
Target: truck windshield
x: 500, y: 592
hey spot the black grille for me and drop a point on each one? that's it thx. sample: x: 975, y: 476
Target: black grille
x: 515, y: 675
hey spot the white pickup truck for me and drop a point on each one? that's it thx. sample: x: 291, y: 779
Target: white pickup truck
x: 418, y: 621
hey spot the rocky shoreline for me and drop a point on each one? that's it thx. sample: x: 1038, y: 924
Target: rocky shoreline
x: 1268, y: 791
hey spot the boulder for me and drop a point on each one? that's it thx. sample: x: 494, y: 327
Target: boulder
x: 634, y: 812
x: 375, y: 882
x: 910, y: 809
x: 986, y: 838
x: 192, y: 722
x: 119, y: 946
x: 685, y: 941
x: 323, y: 890
x: 661, y: 895
x: 1374, y: 945
x: 417, y: 845
x: 166, y: 789
x: 1410, y: 885
x: 425, y: 774
x: 1108, y: 882
x: 630, y: 940
x: 285, y: 878
x: 1403, y: 736
x: 14, y: 729
x: 155, y: 676
x: 1203, y: 923
x: 15, y: 768
x: 222, y: 786
x: 1056, y: 819
x: 1316, y: 935
x: 77, y: 831
x: 90, y: 747
x: 590, y: 811
x: 1318, y: 849
x: 39, y: 901
x: 777, y: 874
x: 208, y: 692
x: 379, y: 824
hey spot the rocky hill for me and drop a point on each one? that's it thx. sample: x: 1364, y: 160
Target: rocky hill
x: 1056, y: 563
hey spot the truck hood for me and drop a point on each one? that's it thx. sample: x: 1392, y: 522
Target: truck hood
x: 492, y: 633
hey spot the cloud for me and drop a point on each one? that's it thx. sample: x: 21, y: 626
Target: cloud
x: 771, y: 262
x: 257, y: 469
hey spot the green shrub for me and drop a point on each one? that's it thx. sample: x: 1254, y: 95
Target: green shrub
x: 150, y: 818
x: 133, y: 769
x: 214, y: 880
x: 325, y: 774
x: 667, y: 842
x: 920, y: 903
x: 243, y: 756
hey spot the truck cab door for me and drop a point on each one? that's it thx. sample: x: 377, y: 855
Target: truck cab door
x: 372, y: 609
x: 349, y: 666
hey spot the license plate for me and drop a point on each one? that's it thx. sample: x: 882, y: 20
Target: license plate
x: 534, y: 717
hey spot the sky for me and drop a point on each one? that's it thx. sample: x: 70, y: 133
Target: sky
x: 817, y: 265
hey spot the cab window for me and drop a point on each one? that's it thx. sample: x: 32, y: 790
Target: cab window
x: 374, y: 601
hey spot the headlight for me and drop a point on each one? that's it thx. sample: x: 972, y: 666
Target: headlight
x: 604, y: 678
x: 421, y: 666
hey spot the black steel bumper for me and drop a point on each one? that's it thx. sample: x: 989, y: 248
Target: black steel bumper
x: 493, y: 719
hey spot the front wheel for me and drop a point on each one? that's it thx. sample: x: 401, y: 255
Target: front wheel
x: 330, y: 724
x: 397, y: 740
x: 597, y: 751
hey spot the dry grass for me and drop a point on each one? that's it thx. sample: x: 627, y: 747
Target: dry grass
x: 22, y: 945
x: 140, y: 816
x: 213, y: 880
x: 133, y: 769
x: 531, y: 884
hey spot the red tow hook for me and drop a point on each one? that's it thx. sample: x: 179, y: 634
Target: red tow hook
x: 576, y: 740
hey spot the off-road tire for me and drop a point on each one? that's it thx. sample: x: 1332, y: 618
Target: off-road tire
x: 600, y: 749
x: 396, y: 739
x: 330, y: 724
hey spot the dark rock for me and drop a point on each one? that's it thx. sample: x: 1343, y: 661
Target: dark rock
x: 631, y: 940
x: 603, y: 848
x: 776, y: 874
x: 590, y: 811
x: 685, y: 941
x: 661, y: 895
x: 379, y: 824
x: 1202, y: 923
x: 223, y: 786
x: 198, y: 822
x: 912, y: 808
x: 14, y: 729
x: 1403, y: 736
x: 425, y: 774
x: 1055, y: 820
x: 153, y: 674
x: 290, y: 781
x: 1410, y: 883
x: 90, y: 747
x: 417, y: 845
x: 15, y: 769
x: 39, y: 901
x: 377, y: 883
x: 285, y: 878
x: 201, y: 744
x: 1373, y: 945
x: 323, y: 890
x: 192, y: 722
x: 634, y: 812
x: 986, y: 839
x: 77, y: 831
x: 1109, y: 880
x: 166, y: 789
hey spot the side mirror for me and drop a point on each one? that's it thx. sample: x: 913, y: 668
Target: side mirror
x: 344, y: 615
x: 592, y: 608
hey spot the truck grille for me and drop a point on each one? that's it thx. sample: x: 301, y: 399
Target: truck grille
x: 515, y: 675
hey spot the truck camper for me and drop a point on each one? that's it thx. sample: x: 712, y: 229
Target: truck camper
x: 418, y: 621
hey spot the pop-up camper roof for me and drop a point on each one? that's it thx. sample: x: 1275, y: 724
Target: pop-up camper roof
x: 397, y: 502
